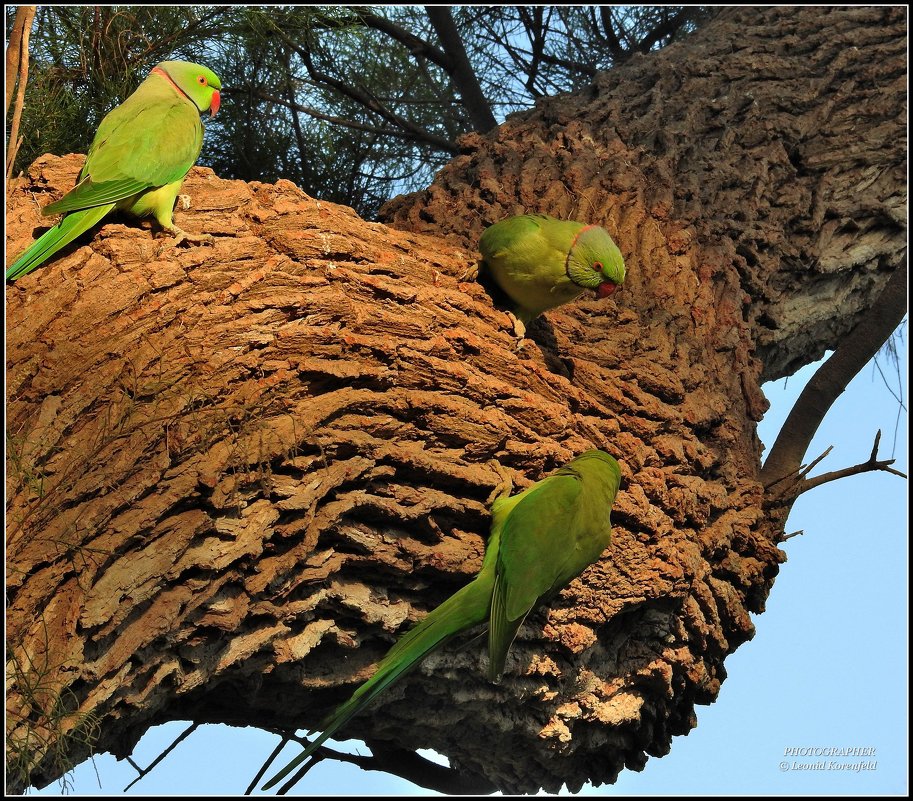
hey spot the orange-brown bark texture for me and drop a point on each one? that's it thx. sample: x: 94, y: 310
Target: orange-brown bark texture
x: 237, y: 470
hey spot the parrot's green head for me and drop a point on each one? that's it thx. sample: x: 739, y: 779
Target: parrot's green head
x: 599, y: 464
x: 200, y: 84
x: 595, y: 262
x: 596, y: 456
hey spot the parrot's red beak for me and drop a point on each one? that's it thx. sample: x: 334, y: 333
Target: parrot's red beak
x: 214, y: 106
x: 606, y: 288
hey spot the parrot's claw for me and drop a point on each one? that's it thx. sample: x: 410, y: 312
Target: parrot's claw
x: 505, y: 485
x: 519, y: 328
x: 183, y: 236
x: 471, y: 274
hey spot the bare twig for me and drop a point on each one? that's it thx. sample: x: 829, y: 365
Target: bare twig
x: 318, y: 756
x: 143, y: 771
x: 873, y: 463
x: 412, y: 136
x: 265, y: 766
x: 804, y: 471
x: 360, y: 95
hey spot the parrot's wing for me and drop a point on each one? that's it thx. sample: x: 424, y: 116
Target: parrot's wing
x: 505, y: 235
x: 149, y: 141
x: 535, y: 549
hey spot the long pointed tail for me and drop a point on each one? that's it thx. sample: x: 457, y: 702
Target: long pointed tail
x: 463, y: 609
x: 59, y: 236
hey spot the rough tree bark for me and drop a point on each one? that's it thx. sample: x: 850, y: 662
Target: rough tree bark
x: 236, y: 471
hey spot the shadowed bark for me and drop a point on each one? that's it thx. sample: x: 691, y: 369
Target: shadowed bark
x: 236, y: 471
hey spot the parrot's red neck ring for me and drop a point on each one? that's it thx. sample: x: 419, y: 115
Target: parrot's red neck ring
x: 567, y: 259
x: 168, y: 78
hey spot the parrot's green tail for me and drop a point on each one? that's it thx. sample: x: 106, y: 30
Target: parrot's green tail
x: 463, y: 609
x: 58, y: 237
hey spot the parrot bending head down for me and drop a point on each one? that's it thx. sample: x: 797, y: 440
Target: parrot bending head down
x: 541, y: 262
x: 540, y: 540
x: 138, y: 158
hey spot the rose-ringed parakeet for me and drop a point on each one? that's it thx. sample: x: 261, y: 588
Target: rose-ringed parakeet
x: 540, y: 540
x: 541, y: 262
x: 138, y: 158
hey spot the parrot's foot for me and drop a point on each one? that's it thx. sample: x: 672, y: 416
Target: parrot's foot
x: 505, y: 485
x: 183, y: 236
x: 472, y: 273
x: 519, y: 328
x: 184, y: 200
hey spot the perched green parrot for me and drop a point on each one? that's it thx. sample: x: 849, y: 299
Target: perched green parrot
x: 138, y: 158
x: 541, y: 262
x: 540, y: 540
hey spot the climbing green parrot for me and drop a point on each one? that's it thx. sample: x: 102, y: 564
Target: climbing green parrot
x: 540, y: 540
x: 541, y: 262
x: 138, y: 158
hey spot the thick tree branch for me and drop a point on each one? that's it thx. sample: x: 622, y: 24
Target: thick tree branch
x: 567, y: 64
x: 415, y: 44
x: 14, y: 50
x: 533, y: 22
x: 400, y: 762
x: 296, y: 123
x: 425, y: 773
x: 832, y: 378
x: 463, y: 74
x: 616, y: 48
x: 668, y: 27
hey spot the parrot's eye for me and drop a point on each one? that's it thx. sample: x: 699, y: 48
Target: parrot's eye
x: 202, y: 80
x: 597, y: 266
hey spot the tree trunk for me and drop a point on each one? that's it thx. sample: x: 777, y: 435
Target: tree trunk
x: 236, y: 471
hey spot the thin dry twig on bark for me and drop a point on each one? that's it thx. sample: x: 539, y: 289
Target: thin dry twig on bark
x: 17, y: 70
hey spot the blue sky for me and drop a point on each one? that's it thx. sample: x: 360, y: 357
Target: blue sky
x: 828, y: 667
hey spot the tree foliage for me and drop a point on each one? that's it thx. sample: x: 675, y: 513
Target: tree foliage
x: 353, y: 104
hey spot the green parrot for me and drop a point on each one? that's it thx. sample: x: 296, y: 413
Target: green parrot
x: 541, y: 262
x: 540, y: 540
x: 138, y: 158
